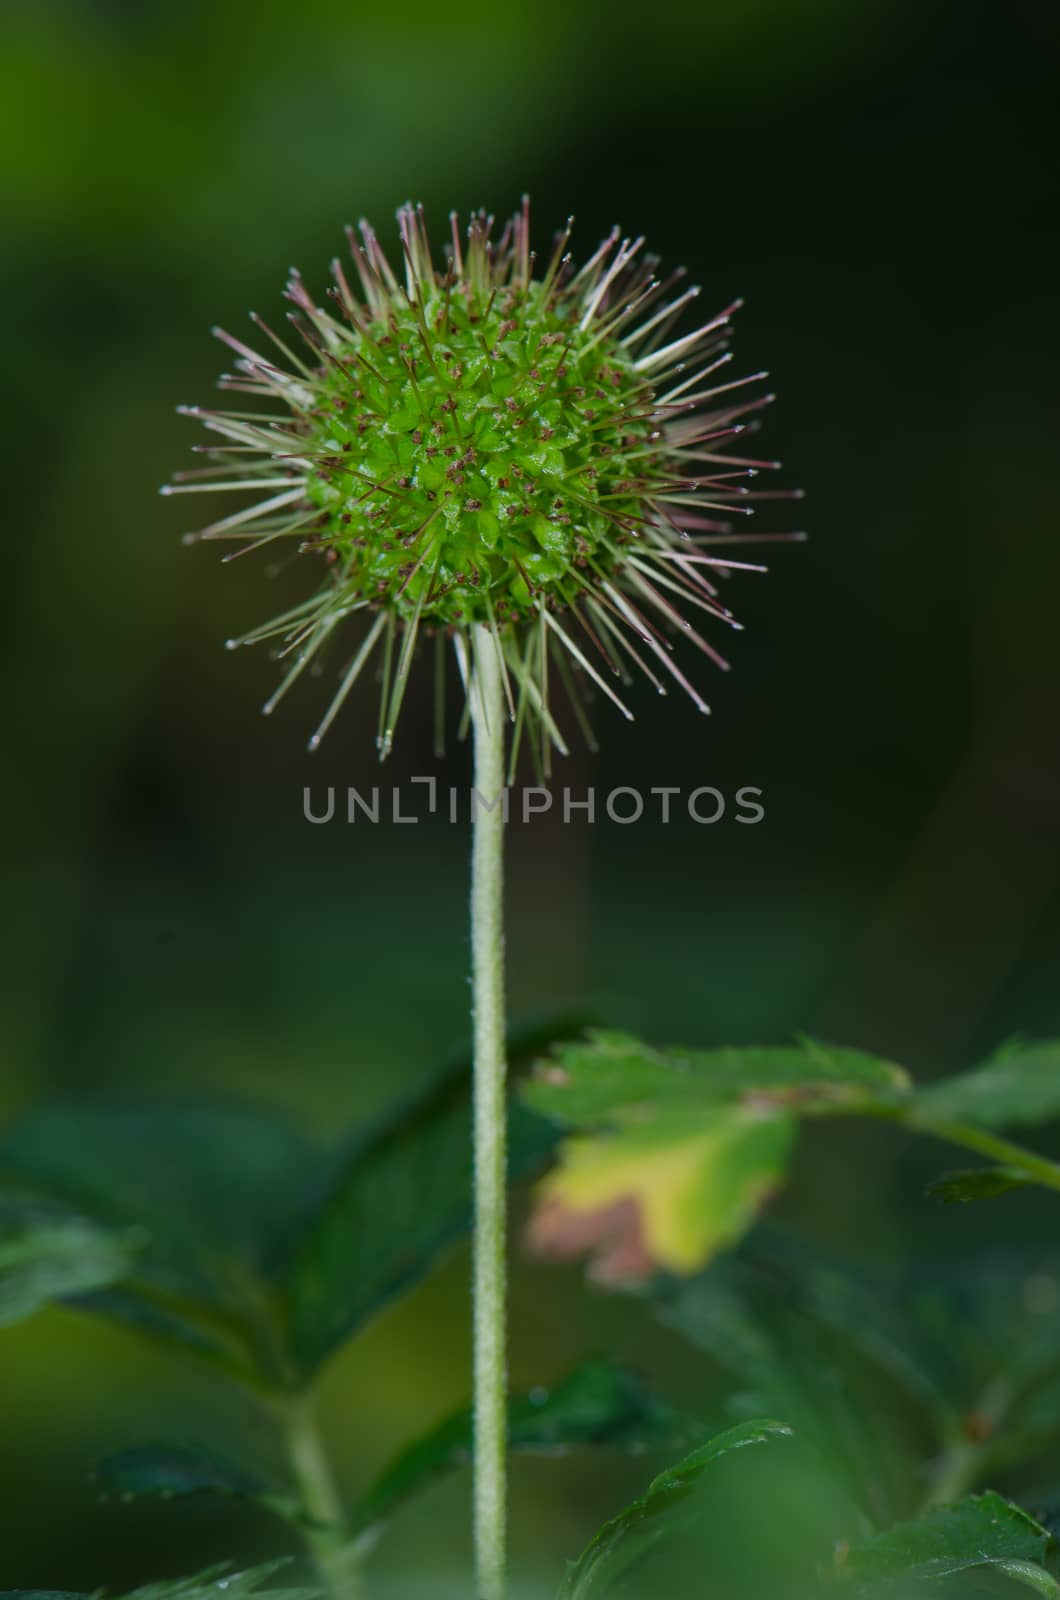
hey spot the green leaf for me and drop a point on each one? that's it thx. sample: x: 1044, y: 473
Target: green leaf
x: 265, y: 1249
x: 211, y: 1184
x: 1032, y: 1425
x: 959, y: 1336
x: 1030, y: 1575
x: 980, y: 1183
x: 213, y: 1187
x: 663, y: 1509
x: 786, y: 1363
x: 394, y: 1199
x: 173, y: 1320
x: 669, y: 1193
x: 595, y: 1404
x: 46, y: 1256
x: 216, y: 1583
x: 872, y: 1311
x: 220, y: 1583
x: 981, y: 1530
x: 1020, y: 1085
x: 991, y: 1322
x: 612, y: 1076
x: 174, y: 1471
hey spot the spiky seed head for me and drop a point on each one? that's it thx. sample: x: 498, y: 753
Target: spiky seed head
x: 538, y: 463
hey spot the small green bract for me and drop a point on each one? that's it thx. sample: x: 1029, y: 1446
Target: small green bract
x: 532, y: 464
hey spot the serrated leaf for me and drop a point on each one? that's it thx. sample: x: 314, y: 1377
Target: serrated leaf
x: 47, y: 1256
x: 213, y: 1187
x: 1030, y: 1576
x: 211, y: 1184
x: 595, y: 1404
x: 869, y: 1309
x: 169, y: 1318
x: 663, y: 1509
x: 613, y: 1076
x: 258, y: 1236
x: 786, y: 1363
x: 216, y: 1583
x: 798, y: 1329
x: 395, y: 1198
x: 1020, y: 1085
x: 667, y: 1194
x: 221, y: 1583
x: 980, y: 1183
x: 174, y: 1471
x: 987, y: 1324
x: 979, y: 1530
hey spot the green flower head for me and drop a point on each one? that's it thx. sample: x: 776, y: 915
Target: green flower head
x: 532, y: 462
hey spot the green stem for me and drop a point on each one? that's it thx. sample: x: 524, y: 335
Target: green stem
x: 1003, y: 1151
x: 490, y: 1120
x: 1035, y: 1168
x: 324, y: 1523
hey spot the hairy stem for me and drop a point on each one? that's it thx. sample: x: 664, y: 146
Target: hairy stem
x: 490, y: 1120
x: 324, y: 1518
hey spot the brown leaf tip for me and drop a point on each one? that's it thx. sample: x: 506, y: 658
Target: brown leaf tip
x: 613, y: 1235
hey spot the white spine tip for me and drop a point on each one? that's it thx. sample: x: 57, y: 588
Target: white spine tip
x: 189, y: 538
x: 167, y: 488
x: 231, y: 644
x: 314, y: 744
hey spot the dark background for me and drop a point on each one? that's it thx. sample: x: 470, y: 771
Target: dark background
x: 880, y: 181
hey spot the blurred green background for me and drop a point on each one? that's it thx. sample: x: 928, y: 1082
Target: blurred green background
x: 880, y: 182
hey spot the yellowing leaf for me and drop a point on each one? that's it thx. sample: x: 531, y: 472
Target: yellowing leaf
x: 667, y: 1194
